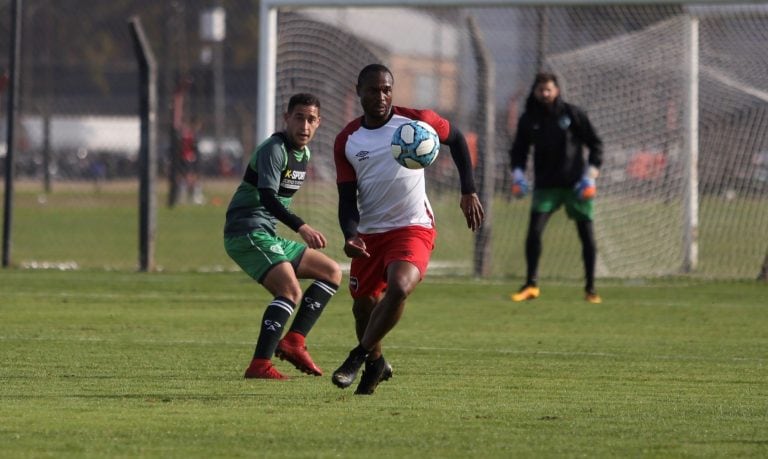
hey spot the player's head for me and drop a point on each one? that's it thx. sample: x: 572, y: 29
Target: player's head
x: 374, y: 88
x: 545, y: 89
x: 302, y: 119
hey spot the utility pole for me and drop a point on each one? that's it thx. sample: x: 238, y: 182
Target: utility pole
x: 12, y: 115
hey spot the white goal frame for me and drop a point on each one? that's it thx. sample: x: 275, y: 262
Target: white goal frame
x: 267, y: 74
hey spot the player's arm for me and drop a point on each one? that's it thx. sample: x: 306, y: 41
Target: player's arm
x: 314, y: 239
x: 269, y: 164
x: 349, y: 214
x: 349, y: 217
x: 269, y: 200
x: 460, y: 154
x: 586, y: 188
x: 264, y: 173
x: 518, y: 157
x: 518, y: 153
x: 470, y: 203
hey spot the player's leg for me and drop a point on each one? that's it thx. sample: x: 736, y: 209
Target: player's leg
x: 281, y: 282
x: 544, y: 203
x: 407, y: 254
x: 536, y: 224
x: 261, y: 256
x: 589, y: 256
x: 404, y: 254
x: 376, y: 369
x: 402, y: 279
x: 582, y: 212
x: 327, y: 274
x: 366, y: 284
x: 382, y: 316
x: 362, y: 309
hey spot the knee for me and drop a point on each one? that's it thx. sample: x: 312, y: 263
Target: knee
x: 328, y: 271
x: 398, y: 289
x: 401, y: 280
x: 335, y: 273
x: 293, y: 292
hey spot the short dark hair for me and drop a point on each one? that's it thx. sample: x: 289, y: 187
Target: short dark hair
x: 372, y: 69
x: 545, y: 77
x: 303, y: 98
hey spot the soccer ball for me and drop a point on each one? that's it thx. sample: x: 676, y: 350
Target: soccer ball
x: 415, y: 145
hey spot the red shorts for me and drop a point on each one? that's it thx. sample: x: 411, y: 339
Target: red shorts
x: 414, y: 244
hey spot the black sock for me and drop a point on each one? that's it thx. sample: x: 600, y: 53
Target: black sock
x: 272, y: 323
x: 588, y: 253
x: 316, y: 296
x: 360, y: 350
x: 538, y: 221
x: 371, y: 361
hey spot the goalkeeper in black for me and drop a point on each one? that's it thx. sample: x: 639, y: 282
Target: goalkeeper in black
x: 563, y: 174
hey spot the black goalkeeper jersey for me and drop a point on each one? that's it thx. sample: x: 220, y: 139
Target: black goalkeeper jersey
x: 558, y: 137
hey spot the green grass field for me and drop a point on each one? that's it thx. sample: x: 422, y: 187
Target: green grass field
x: 122, y: 364
x: 78, y: 225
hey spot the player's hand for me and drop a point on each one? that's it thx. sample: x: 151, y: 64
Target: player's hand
x: 519, y: 184
x: 473, y: 210
x: 354, y: 247
x: 586, y: 189
x: 313, y: 238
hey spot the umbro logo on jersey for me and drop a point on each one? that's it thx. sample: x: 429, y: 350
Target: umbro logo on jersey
x: 362, y: 155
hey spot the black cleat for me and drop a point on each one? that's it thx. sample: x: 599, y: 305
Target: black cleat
x: 345, y: 375
x: 374, y: 373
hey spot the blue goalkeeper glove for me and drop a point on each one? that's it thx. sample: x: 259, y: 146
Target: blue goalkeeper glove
x: 586, y: 188
x: 519, y: 183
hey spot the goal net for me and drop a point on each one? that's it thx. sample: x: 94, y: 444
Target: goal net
x: 678, y: 93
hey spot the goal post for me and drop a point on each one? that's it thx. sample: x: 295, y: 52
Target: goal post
x: 676, y: 90
x: 691, y: 200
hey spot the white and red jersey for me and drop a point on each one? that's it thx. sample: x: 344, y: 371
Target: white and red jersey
x: 389, y: 196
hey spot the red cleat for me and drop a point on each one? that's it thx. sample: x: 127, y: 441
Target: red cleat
x: 293, y: 349
x: 263, y: 369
